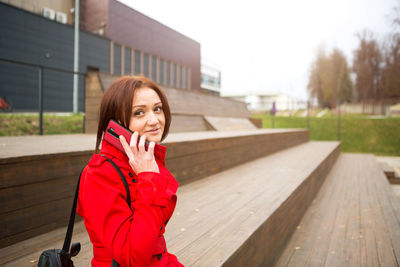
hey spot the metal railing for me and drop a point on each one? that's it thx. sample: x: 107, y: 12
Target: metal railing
x: 41, y: 69
x: 304, y: 105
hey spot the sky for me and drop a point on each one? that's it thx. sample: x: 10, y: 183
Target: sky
x: 268, y: 46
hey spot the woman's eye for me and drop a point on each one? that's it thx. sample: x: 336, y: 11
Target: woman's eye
x: 139, y: 112
x: 158, y: 109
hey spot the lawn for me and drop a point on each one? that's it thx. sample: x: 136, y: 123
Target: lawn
x: 380, y: 136
x: 23, y: 124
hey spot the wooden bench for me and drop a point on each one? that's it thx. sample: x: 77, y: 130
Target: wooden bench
x: 243, y: 215
x: 354, y: 220
x: 39, y: 172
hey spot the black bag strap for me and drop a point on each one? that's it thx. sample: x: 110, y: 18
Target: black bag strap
x: 68, y: 235
x: 128, y: 194
x: 114, y: 263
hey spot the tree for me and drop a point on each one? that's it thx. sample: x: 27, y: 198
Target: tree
x: 329, y: 79
x: 367, y: 66
x: 391, y: 70
x: 315, y: 79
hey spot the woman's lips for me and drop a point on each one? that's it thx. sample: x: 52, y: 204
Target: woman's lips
x: 153, y: 131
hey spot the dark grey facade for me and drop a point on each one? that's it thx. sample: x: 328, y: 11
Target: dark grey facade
x: 32, y: 39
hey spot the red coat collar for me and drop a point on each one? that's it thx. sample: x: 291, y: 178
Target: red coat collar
x: 106, y: 148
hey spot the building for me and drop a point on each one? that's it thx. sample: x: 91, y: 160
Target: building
x: 210, y: 77
x: 114, y: 38
x: 264, y: 102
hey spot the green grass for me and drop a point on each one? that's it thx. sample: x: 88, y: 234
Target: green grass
x: 21, y: 124
x: 358, y: 133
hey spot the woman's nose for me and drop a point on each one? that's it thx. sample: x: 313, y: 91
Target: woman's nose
x: 152, y: 120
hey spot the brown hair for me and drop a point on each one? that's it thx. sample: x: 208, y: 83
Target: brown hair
x: 117, y: 104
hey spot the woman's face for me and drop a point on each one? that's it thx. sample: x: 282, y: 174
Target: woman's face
x: 147, y: 114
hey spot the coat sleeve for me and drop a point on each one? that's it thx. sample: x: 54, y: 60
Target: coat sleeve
x: 129, y: 235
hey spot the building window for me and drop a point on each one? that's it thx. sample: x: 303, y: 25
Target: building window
x: 174, y: 75
x: 146, y: 65
x: 168, y: 74
x: 161, y: 69
x: 137, y: 62
x: 154, y: 68
x: 127, y: 60
x: 117, y: 59
x: 180, y: 77
x: 187, y: 78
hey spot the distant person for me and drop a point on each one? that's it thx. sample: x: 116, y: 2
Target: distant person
x: 130, y: 236
x: 273, y: 108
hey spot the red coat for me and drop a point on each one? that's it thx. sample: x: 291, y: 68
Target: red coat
x: 131, y: 237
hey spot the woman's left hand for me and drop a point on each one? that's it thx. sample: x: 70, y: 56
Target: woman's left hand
x: 140, y: 160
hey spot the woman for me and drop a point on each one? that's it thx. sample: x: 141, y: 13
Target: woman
x: 132, y: 237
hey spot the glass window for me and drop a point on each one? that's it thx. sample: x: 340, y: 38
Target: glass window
x: 174, y: 75
x: 146, y: 65
x: 127, y: 60
x: 187, y: 78
x: 137, y: 62
x: 117, y: 59
x: 154, y: 68
x: 180, y: 77
x: 161, y: 69
x: 168, y: 74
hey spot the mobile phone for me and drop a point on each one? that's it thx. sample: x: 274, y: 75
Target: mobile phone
x: 114, y: 130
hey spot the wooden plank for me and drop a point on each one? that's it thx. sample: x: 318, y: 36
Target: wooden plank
x: 337, y: 250
x: 197, y: 240
x: 32, y: 181
x: 188, y: 123
x: 387, y: 169
x: 20, y: 197
x: 210, y: 143
x: 361, y: 216
x: 27, y: 252
x: 230, y: 123
x: 43, y: 169
x: 270, y: 239
x: 196, y: 166
x: 389, y: 212
x: 46, y: 146
x: 230, y: 206
x: 20, y: 224
x: 192, y: 102
x: 306, y: 244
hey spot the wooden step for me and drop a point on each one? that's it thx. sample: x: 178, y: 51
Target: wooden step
x: 230, y: 123
x: 392, y: 173
x: 241, y: 215
x: 353, y: 221
x: 387, y: 169
x: 39, y: 173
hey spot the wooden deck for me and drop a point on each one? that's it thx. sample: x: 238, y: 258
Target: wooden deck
x: 236, y: 216
x: 39, y: 172
x: 354, y: 220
